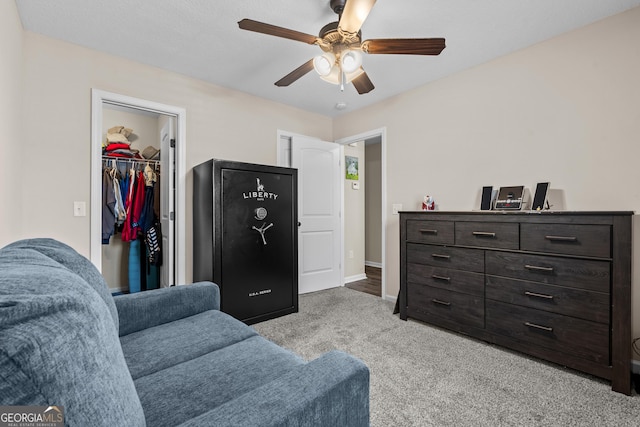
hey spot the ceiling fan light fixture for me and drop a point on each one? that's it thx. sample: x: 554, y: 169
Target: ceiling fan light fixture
x: 334, y: 76
x: 350, y: 60
x: 323, y: 64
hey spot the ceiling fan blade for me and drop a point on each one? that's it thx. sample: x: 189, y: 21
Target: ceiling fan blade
x: 363, y: 84
x: 272, y: 30
x: 404, y: 46
x: 353, y: 16
x: 296, y: 74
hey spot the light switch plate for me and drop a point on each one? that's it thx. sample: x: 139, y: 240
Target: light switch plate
x: 79, y: 209
x: 395, y: 208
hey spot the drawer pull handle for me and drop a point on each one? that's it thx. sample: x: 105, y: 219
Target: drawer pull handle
x: 538, y: 268
x: 533, y: 325
x: 428, y: 231
x: 483, y: 234
x: 561, y: 238
x: 534, y: 294
x: 435, y: 276
x: 441, y: 256
x: 437, y: 301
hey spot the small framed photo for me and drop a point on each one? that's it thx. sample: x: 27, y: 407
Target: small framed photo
x: 351, y: 167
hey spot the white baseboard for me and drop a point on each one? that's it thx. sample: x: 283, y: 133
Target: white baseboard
x: 355, y: 278
x: 373, y: 264
x: 391, y: 298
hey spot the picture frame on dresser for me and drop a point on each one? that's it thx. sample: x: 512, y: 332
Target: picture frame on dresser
x: 553, y: 285
x: 540, y: 197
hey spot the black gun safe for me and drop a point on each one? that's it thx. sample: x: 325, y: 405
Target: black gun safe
x: 245, y: 237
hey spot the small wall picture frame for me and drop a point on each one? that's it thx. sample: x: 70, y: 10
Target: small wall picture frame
x: 351, y: 167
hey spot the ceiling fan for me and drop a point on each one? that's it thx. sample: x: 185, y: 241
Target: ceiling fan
x: 342, y: 46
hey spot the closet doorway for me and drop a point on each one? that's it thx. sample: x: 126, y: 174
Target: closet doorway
x: 154, y: 127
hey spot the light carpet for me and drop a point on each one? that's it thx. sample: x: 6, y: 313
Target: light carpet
x: 425, y: 376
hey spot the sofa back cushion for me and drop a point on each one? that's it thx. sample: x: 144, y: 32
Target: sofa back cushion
x: 69, y: 258
x: 58, y: 345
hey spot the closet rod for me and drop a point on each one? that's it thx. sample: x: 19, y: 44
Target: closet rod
x: 127, y: 159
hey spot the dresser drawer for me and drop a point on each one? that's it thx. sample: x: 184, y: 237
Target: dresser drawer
x: 434, y: 303
x: 443, y: 256
x: 583, y: 274
x: 577, y: 337
x: 446, y: 278
x: 573, y: 302
x: 488, y: 234
x: 430, y: 231
x: 583, y: 240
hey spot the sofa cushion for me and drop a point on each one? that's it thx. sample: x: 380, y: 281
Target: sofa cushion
x: 68, y: 257
x: 181, y: 392
x: 154, y: 349
x: 144, y: 310
x: 58, y: 345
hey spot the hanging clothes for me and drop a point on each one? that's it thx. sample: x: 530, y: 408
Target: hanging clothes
x: 134, y: 208
x: 119, y: 210
x: 147, y: 217
x: 131, y: 206
x: 124, y: 190
x: 108, y: 207
x: 135, y: 271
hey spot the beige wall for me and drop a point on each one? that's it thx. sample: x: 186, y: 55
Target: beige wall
x: 11, y: 142
x: 565, y: 111
x: 58, y: 79
x: 354, y: 216
x: 373, y: 203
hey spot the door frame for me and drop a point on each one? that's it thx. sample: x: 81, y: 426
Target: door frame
x: 98, y: 99
x: 282, y: 155
x: 382, y: 133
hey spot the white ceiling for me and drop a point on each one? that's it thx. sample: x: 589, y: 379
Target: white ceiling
x: 201, y: 38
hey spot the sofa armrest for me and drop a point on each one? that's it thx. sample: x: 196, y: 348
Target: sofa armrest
x: 332, y: 390
x: 144, y: 310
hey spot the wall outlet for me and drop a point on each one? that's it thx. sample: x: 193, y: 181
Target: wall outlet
x: 350, y: 254
x: 395, y: 208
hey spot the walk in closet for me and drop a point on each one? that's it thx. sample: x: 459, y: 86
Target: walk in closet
x: 137, y: 203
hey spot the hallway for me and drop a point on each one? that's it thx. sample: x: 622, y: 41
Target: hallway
x: 372, y: 284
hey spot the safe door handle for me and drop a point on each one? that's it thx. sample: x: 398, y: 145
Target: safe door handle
x: 483, y: 234
x: 437, y: 301
x: 428, y: 231
x: 561, y: 238
x: 537, y: 295
x: 445, y: 278
x: 535, y: 326
x: 538, y: 268
x: 441, y: 256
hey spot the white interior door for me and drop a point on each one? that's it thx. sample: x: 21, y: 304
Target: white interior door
x: 167, y: 202
x: 319, y: 203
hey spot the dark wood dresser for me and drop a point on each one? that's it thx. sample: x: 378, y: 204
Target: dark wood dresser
x: 554, y: 285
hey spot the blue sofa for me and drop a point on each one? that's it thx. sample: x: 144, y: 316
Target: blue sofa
x: 165, y: 357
